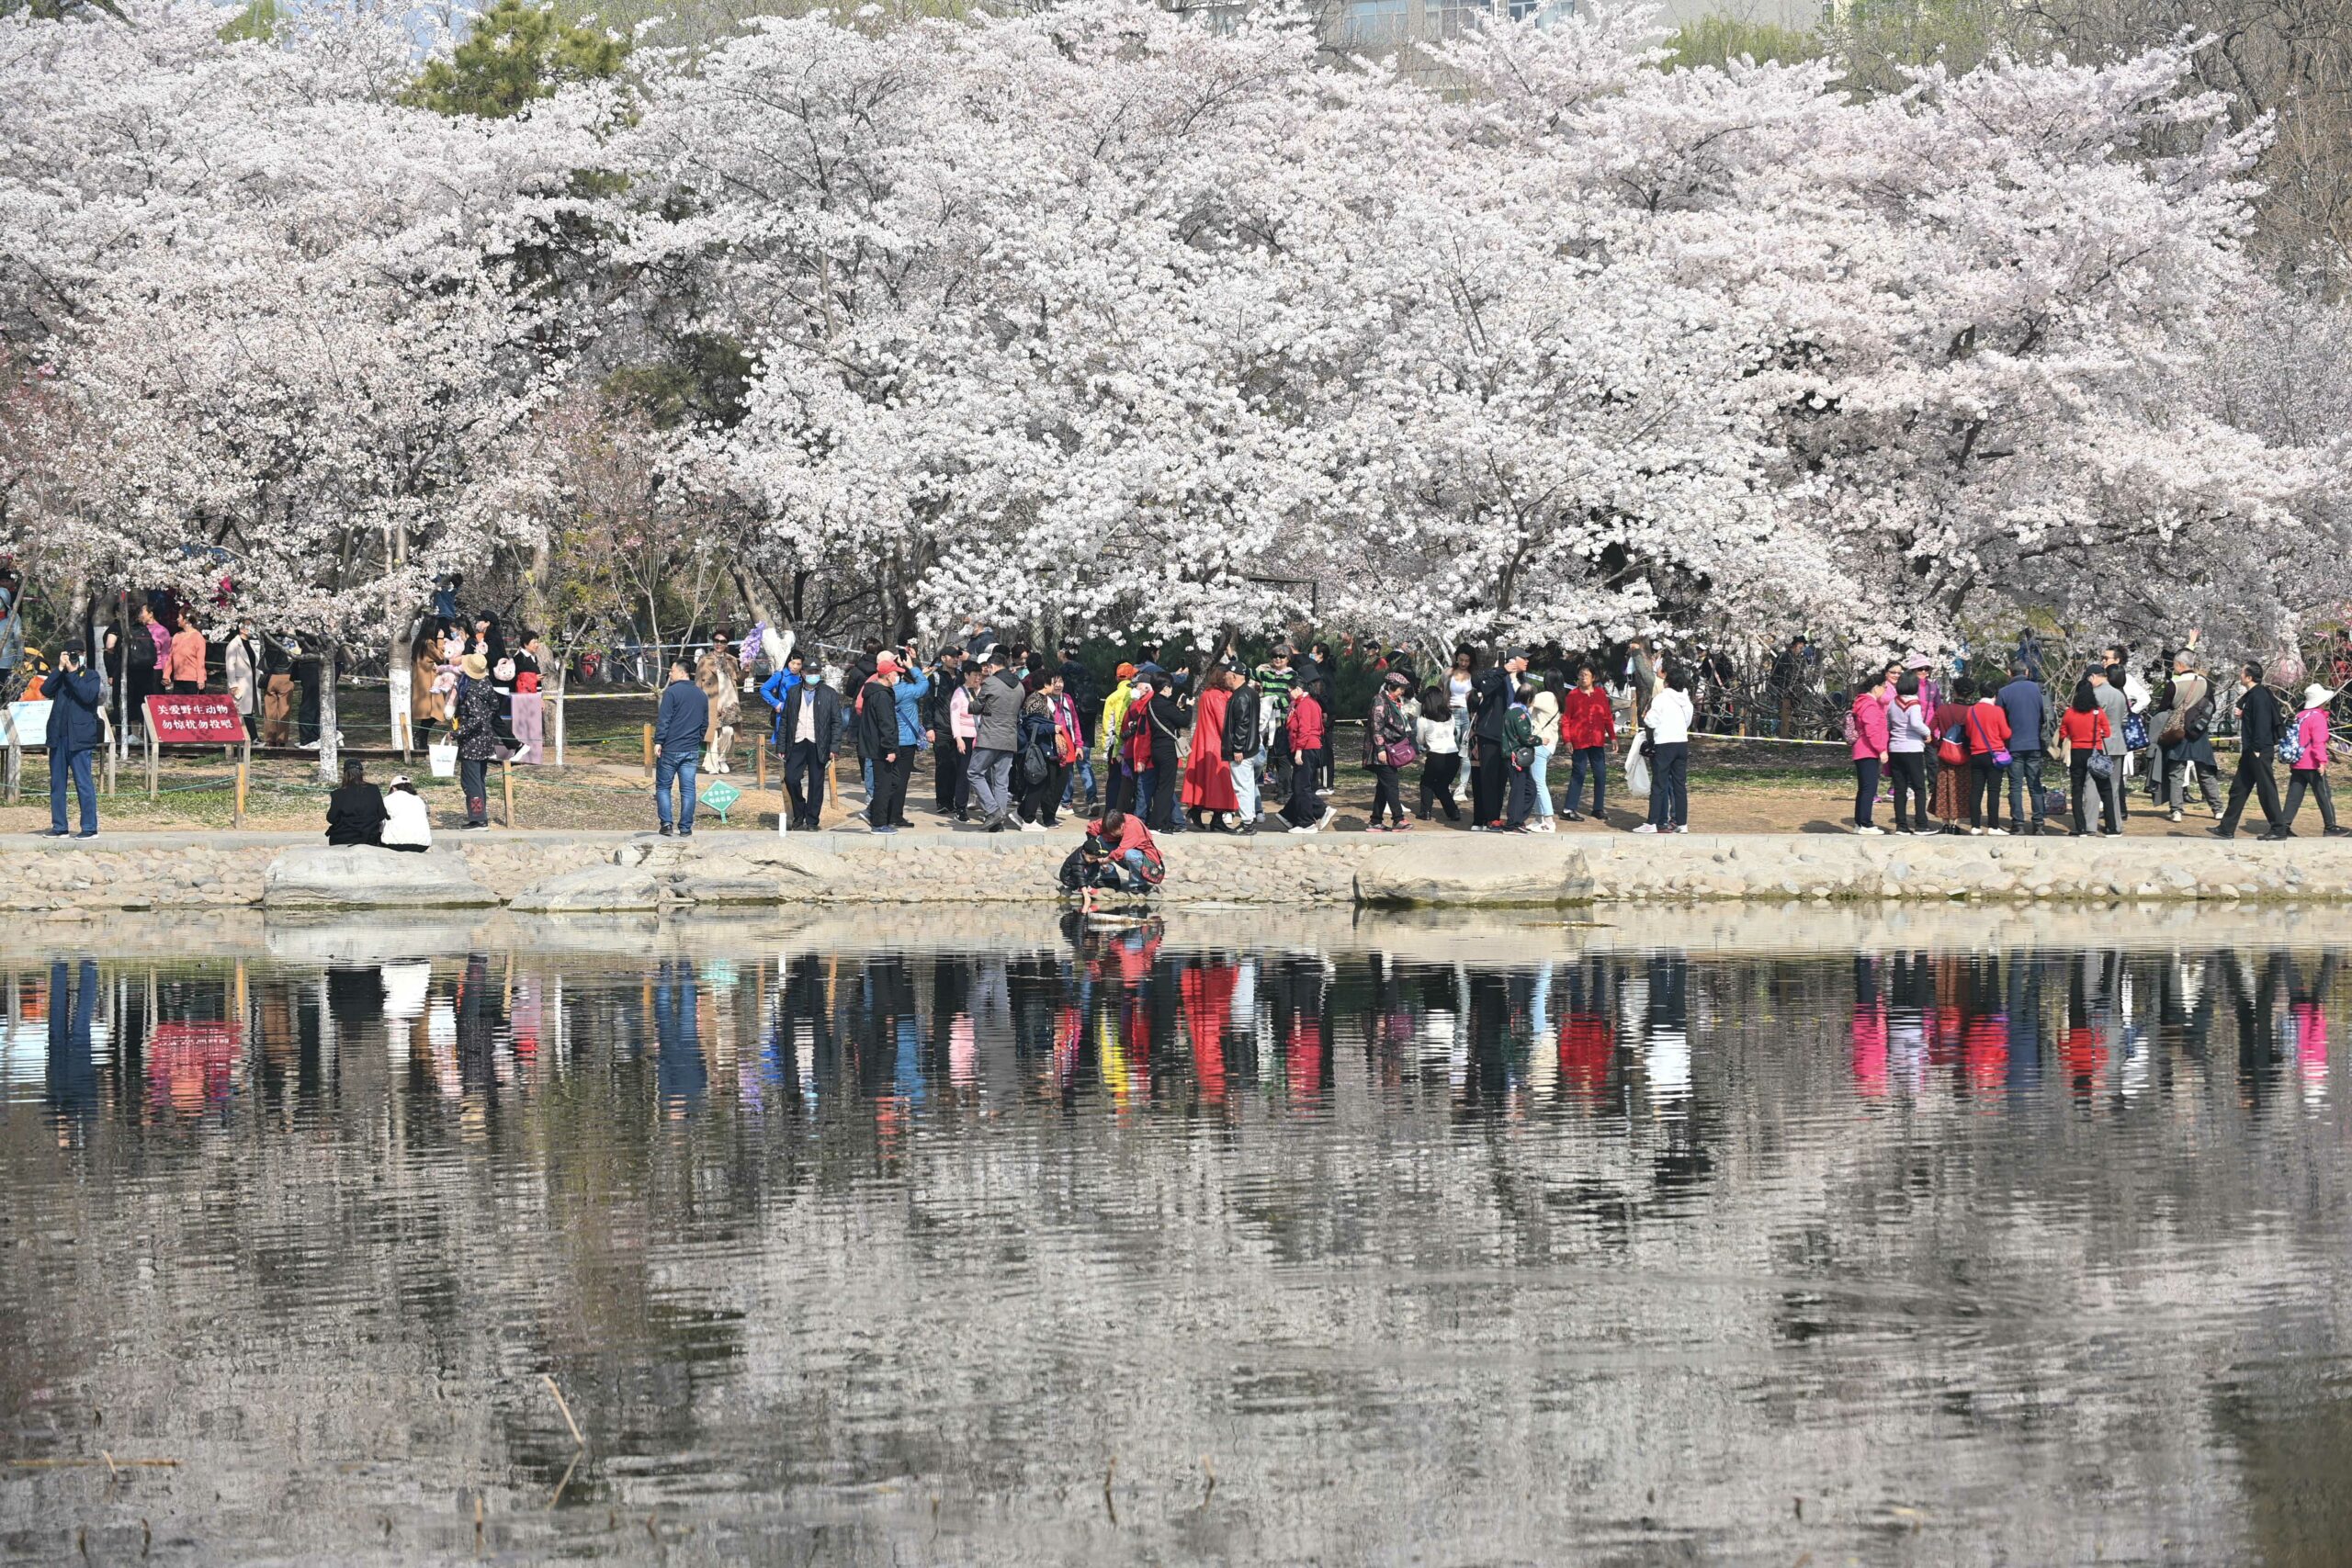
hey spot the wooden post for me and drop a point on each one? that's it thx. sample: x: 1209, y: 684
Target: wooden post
x: 833, y: 787
x: 16, y: 767
x: 245, y: 757
x: 153, y: 762
x: 560, y: 684
x: 109, y: 785
x: 649, y: 750
x: 506, y: 783
x: 759, y: 753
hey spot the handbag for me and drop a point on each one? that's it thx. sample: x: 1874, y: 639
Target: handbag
x: 1949, y: 751
x: 2102, y: 765
x: 443, y: 756
x: 2135, y: 732
x: 1399, y: 754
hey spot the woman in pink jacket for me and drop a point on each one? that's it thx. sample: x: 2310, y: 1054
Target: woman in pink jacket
x: 1867, y: 723
x: 2310, y: 769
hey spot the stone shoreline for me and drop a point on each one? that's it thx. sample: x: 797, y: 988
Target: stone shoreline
x: 557, y: 873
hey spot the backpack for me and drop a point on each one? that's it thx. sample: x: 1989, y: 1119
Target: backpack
x: 2198, y: 722
x: 1853, y: 730
x: 2290, y: 744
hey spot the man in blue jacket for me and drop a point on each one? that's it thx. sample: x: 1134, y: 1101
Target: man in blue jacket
x: 73, y: 731
x: 678, y: 726
x: 2025, y: 706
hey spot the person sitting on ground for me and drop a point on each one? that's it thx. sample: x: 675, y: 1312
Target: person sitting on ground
x: 407, y: 825
x: 355, y: 812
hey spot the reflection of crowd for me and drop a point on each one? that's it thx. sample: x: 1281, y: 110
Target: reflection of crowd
x: 1114, y: 1016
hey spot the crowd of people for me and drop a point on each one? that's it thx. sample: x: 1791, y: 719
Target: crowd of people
x: 1018, y: 736
x: 1952, y: 750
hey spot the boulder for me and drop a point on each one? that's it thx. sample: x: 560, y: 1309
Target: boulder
x: 359, y: 876
x: 723, y: 889
x: 590, y: 889
x: 1503, y: 873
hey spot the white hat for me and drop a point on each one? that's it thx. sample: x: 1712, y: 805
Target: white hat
x: 2317, y: 696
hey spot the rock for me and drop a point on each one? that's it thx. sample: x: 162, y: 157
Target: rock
x: 325, y: 878
x: 596, y: 887
x: 726, y: 890
x: 1494, y: 874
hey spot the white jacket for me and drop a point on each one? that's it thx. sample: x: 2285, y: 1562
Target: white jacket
x: 406, y: 820
x: 1669, y: 717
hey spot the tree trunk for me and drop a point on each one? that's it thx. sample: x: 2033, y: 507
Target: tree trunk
x: 330, y: 762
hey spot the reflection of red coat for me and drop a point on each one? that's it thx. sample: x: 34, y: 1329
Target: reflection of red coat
x: 1208, y: 777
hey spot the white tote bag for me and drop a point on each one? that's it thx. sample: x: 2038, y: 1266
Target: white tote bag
x: 443, y: 754
x: 1637, y: 774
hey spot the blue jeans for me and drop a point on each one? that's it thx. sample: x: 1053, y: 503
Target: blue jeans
x: 1539, y: 772
x: 74, y: 765
x: 1132, y: 864
x: 1082, y: 771
x: 1593, y: 760
x: 682, y: 768
x: 1146, y: 778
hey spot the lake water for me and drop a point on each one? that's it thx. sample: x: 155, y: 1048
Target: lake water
x: 1012, y: 1240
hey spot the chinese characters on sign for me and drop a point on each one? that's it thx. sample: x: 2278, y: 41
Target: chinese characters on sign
x: 197, y: 718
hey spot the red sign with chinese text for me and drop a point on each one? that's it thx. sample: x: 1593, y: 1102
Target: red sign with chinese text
x: 195, y: 719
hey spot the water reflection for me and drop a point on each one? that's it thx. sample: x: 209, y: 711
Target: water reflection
x: 888, y: 1253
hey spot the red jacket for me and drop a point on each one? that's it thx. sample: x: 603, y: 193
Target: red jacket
x: 2083, y: 731
x: 1987, y: 727
x: 1306, y: 723
x: 1587, y: 719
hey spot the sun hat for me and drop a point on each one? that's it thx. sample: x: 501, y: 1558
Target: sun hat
x: 475, y: 665
x: 2317, y: 696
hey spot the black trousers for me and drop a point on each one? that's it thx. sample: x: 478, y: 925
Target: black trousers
x: 1385, y: 794
x: 1436, y: 783
x: 950, y: 784
x: 2254, y: 777
x: 1519, y: 797
x: 889, y: 802
x: 1908, y: 769
x: 1865, y: 789
x: 1169, y: 774
x: 1489, y: 773
x: 2314, y: 779
x: 1305, y: 807
x: 1118, y: 787
x: 803, y: 781
x: 1984, y: 793
x: 1040, y: 802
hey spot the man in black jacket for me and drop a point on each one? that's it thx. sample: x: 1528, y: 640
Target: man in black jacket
x: 1080, y: 686
x: 1490, y: 693
x: 1245, y: 746
x: 809, y: 728
x: 2260, y: 723
x: 878, y: 741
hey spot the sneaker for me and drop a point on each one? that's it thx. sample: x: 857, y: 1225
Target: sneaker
x: 1867, y: 829
x: 1976, y: 832
x: 91, y: 834
x: 1682, y: 827
x: 2276, y: 835
x: 667, y: 831
x: 1571, y: 816
x: 1999, y: 832
x: 1327, y: 815
x: 1477, y: 827
x: 1646, y: 827
x: 683, y: 832
x: 2335, y: 833
x: 886, y: 828
x: 1308, y: 827
x: 2172, y: 816
x: 1544, y: 826
x: 1376, y: 828
x: 2218, y: 831
x: 1247, y: 830
x: 1033, y: 827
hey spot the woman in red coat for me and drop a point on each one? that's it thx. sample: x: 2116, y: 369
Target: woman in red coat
x: 1208, y: 777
